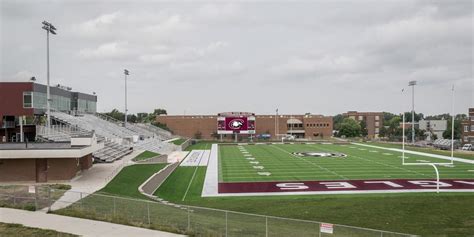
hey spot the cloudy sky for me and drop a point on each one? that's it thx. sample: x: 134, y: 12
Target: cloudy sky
x: 323, y: 57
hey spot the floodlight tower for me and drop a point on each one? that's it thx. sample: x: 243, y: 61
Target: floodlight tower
x: 412, y: 84
x: 49, y: 29
x: 126, y: 73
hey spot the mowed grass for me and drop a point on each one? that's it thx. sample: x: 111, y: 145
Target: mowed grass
x: 200, y: 146
x: 459, y: 154
x: 126, y: 183
x: 236, y: 164
x: 179, y: 141
x: 145, y: 155
x: 427, y: 214
x: 8, y: 229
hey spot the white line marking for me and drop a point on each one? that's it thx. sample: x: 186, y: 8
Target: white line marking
x: 302, y: 158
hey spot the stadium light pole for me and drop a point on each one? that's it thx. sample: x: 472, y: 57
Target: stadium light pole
x: 126, y: 73
x: 276, y: 124
x: 49, y: 29
x: 412, y: 84
x: 452, y: 124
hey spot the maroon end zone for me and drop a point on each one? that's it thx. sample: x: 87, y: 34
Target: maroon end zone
x: 347, y: 185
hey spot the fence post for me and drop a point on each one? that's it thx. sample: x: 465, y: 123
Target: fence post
x: 114, y: 206
x: 381, y: 234
x: 189, y: 220
x: 49, y: 199
x: 266, y: 226
x: 148, y: 212
x: 226, y: 223
x: 80, y: 199
x: 36, y: 197
x: 14, y: 195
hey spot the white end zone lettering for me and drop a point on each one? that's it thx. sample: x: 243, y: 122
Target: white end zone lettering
x: 292, y: 186
x: 430, y: 184
x: 331, y: 185
x: 388, y: 183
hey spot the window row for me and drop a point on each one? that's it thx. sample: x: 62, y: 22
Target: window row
x: 317, y: 125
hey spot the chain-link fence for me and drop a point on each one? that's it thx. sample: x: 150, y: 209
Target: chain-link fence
x: 197, y: 221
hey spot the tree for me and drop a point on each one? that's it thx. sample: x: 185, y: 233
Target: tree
x: 349, y: 128
x: 363, y: 129
x: 159, y: 111
x: 198, y: 135
x: 457, y: 129
x: 387, y: 116
x: 337, y: 120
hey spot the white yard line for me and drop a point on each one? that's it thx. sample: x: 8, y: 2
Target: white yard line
x: 321, y: 167
x: 419, y: 153
x: 396, y: 167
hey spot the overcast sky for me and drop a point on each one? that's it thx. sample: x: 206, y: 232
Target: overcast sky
x: 322, y: 57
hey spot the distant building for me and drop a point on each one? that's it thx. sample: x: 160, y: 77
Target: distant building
x: 433, y: 127
x: 300, y: 126
x: 28, y: 100
x: 467, y: 135
x: 373, y: 121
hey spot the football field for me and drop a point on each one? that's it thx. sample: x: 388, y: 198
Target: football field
x: 296, y: 162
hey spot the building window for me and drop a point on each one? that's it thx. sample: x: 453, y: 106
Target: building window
x: 472, y: 128
x: 377, y: 130
x: 361, y: 117
x: 466, y: 128
x: 377, y: 117
x: 376, y: 124
x: 27, y: 100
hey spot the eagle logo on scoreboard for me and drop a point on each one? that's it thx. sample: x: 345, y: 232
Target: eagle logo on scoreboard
x: 236, y: 123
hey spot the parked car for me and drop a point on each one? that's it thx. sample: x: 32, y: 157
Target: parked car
x: 468, y: 147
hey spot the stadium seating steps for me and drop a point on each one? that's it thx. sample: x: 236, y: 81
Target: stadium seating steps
x: 112, y: 132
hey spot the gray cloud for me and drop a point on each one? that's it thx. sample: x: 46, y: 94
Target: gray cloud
x: 323, y: 57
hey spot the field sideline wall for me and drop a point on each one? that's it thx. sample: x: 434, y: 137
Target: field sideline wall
x: 314, y: 126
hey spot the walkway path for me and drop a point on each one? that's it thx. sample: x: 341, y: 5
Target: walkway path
x: 419, y: 153
x: 92, y: 180
x: 73, y: 225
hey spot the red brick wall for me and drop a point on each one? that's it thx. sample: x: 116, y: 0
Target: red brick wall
x: 11, y: 99
x: 59, y: 169
x: 20, y: 170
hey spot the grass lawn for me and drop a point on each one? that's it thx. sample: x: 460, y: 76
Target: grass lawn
x: 459, y: 154
x: 126, y: 183
x: 145, y: 155
x: 7, y: 229
x: 205, y: 145
x: 179, y: 141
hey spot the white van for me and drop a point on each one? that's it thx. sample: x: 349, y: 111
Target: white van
x: 467, y: 147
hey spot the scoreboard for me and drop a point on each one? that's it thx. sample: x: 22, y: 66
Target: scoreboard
x: 236, y: 123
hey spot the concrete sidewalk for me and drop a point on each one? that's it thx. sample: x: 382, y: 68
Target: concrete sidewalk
x: 72, y: 225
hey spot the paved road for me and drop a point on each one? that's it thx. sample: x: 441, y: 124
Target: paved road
x: 78, y: 226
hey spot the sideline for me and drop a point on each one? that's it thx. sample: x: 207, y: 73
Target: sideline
x: 418, y: 153
x: 73, y: 225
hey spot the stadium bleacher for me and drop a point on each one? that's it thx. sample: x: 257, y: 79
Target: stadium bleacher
x: 119, y: 140
x: 444, y: 144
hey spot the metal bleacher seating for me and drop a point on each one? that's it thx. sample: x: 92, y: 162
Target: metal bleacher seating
x: 119, y: 140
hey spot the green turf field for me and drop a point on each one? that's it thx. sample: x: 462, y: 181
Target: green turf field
x: 360, y: 163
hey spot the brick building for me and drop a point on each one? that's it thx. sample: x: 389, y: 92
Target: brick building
x: 46, y: 162
x: 467, y: 136
x: 373, y: 121
x: 26, y: 102
x: 301, y: 126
